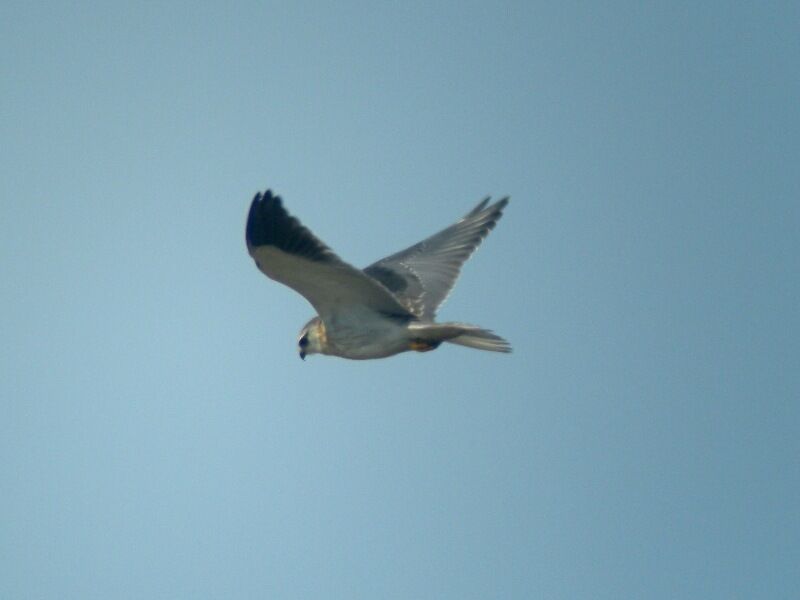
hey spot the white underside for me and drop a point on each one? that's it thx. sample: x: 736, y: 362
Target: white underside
x: 361, y: 333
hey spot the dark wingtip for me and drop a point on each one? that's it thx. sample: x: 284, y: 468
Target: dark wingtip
x: 497, y: 207
x: 257, y: 232
x: 270, y: 224
x: 483, y: 206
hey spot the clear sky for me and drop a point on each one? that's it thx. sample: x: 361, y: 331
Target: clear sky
x: 160, y: 438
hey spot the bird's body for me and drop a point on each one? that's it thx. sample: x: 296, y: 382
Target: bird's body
x: 360, y: 334
x: 384, y: 309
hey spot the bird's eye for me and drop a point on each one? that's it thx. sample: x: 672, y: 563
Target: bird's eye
x: 303, y: 342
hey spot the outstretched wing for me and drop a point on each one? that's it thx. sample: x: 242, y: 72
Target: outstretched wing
x: 286, y: 251
x: 422, y: 276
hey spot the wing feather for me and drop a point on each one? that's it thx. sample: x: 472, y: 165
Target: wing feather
x: 289, y: 253
x: 423, y: 275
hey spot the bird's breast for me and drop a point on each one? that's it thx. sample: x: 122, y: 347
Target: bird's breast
x: 364, y: 334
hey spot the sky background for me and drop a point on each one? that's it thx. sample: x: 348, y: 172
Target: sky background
x: 159, y: 437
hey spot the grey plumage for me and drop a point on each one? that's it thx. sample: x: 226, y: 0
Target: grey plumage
x: 384, y: 309
x: 423, y: 275
x: 288, y: 252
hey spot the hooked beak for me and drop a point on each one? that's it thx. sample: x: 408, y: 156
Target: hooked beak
x: 302, y: 354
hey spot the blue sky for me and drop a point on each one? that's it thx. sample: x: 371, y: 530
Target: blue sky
x: 159, y: 437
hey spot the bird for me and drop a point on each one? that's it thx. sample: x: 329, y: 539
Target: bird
x: 380, y: 311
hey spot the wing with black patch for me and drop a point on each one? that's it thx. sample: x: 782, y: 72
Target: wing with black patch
x: 269, y: 224
x: 289, y: 253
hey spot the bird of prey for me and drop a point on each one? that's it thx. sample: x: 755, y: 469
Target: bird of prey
x: 382, y: 310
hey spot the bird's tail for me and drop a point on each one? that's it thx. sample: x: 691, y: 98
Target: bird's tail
x: 461, y: 334
x: 482, y: 339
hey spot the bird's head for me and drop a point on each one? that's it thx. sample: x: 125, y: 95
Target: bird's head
x: 312, y: 338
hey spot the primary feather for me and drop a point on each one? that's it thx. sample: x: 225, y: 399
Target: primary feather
x: 422, y: 276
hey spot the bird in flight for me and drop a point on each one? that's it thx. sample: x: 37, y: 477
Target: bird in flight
x: 382, y: 310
